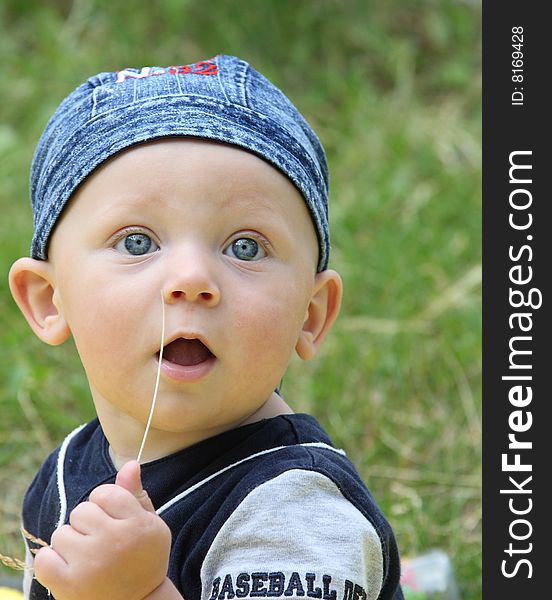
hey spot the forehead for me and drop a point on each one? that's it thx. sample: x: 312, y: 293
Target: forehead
x: 178, y: 164
x: 210, y: 178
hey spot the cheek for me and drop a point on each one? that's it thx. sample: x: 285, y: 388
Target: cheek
x: 105, y: 319
x: 269, y: 323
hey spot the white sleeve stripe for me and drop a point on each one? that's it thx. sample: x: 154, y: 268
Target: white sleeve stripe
x: 27, y: 573
x: 60, y: 475
x: 199, y: 484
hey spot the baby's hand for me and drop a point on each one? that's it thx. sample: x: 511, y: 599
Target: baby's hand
x: 115, y: 547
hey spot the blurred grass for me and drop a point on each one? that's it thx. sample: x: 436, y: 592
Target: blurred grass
x: 393, y: 89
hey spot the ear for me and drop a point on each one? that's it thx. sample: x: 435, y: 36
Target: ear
x: 32, y: 287
x: 321, y: 313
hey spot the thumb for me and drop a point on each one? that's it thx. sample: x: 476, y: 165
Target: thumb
x: 128, y: 478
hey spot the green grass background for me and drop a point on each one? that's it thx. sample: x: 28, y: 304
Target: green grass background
x: 393, y: 89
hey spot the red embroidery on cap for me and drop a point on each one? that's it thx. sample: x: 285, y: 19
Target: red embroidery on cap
x: 180, y: 70
x: 204, y: 67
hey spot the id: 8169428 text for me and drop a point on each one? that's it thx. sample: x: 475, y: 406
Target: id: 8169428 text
x: 517, y: 65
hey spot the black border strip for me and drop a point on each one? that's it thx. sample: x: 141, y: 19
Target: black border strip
x: 516, y: 296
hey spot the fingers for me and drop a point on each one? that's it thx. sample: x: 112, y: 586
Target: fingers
x: 64, y: 539
x: 51, y: 563
x: 108, y: 501
x: 114, y: 544
x: 116, y: 502
x: 128, y: 478
x: 123, y: 500
x: 87, y: 517
x: 49, y: 567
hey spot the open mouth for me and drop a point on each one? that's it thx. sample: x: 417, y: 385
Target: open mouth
x: 186, y: 353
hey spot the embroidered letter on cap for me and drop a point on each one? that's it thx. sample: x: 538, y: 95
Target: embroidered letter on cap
x: 204, y: 67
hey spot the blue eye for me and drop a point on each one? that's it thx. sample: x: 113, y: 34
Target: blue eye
x: 246, y: 249
x: 136, y: 244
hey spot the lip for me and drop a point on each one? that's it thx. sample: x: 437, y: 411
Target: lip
x: 188, y: 335
x: 189, y: 373
x: 186, y: 373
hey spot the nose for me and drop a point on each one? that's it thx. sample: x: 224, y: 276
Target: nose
x: 191, y: 279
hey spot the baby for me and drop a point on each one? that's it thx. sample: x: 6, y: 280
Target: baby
x: 191, y: 200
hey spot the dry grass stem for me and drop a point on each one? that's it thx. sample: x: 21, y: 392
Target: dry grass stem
x: 457, y: 294
x: 30, y: 412
x: 14, y: 563
x: 154, y: 398
x: 467, y: 398
x: 34, y: 539
x: 384, y: 326
x: 454, y: 295
x: 400, y: 447
x: 430, y: 477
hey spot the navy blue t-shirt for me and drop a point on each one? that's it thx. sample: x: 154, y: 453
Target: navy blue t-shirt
x: 267, y: 509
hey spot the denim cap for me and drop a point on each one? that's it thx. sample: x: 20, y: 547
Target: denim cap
x: 222, y: 99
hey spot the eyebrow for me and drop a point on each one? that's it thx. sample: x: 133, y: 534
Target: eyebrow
x: 250, y: 202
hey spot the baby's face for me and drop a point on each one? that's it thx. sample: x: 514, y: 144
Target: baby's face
x: 226, y: 241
